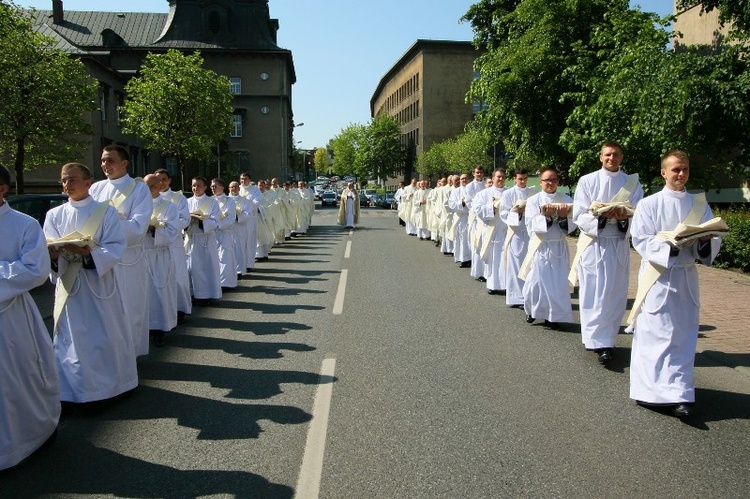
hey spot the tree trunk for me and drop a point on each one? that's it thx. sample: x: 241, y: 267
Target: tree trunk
x: 20, y: 153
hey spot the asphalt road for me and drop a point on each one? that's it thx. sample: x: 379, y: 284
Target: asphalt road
x: 436, y: 390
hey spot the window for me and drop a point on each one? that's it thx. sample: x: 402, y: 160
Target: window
x: 236, y: 87
x: 120, y: 103
x: 103, y: 94
x: 237, y: 126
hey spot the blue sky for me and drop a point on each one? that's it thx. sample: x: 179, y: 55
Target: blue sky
x: 341, y: 48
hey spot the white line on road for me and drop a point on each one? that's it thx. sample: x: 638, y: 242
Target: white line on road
x: 308, y: 482
x: 351, y: 232
x: 348, y: 251
x: 338, y: 304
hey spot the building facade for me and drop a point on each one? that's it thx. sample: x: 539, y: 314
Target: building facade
x: 426, y: 91
x: 236, y: 38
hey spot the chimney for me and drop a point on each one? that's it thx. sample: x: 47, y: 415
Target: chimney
x: 58, y: 15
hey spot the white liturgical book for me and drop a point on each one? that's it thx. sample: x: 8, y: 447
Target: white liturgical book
x: 598, y: 208
x: 75, y: 238
x: 684, y: 233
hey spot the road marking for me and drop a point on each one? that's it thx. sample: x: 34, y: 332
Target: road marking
x: 308, y: 482
x: 338, y: 304
x: 351, y: 232
x: 348, y: 251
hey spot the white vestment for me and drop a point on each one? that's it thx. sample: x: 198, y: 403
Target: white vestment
x: 666, y: 331
x: 225, y: 240
x: 243, y: 212
x: 93, y: 344
x: 135, y: 213
x: 162, y: 289
x: 29, y: 387
x: 486, y: 205
x: 476, y: 228
x: 546, y: 292
x: 177, y: 249
x: 518, y: 244
x: 604, y: 267
x: 203, y: 250
x: 255, y: 198
x: 458, y: 205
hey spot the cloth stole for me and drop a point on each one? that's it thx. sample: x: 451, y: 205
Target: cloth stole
x: 534, y: 244
x: 489, y: 231
x: 222, y: 205
x: 454, y: 226
x: 121, y: 196
x: 205, y: 205
x: 530, y: 191
x: 652, y: 272
x: 68, y: 278
x: 159, y: 211
x: 175, y: 196
x: 585, y: 240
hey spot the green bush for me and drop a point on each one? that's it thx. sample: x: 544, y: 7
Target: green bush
x: 735, y: 246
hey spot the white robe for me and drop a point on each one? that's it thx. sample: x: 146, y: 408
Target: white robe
x: 519, y: 243
x: 459, y: 206
x: 243, y: 212
x: 476, y: 226
x: 483, y: 205
x: 546, y: 292
x: 225, y: 240
x: 177, y: 249
x: 203, y: 250
x: 666, y: 331
x: 162, y: 289
x: 135, y: 213
x: 93, y: 345
x: 30, y: 389
x: 255, y: 197
x: 604, y: 267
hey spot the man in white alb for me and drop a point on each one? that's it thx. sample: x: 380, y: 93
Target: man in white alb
x: 349, y: 209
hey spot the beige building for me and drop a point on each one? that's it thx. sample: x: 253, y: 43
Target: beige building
x: 236, y: 38
x: 426, y: 91
x: 698, y: 28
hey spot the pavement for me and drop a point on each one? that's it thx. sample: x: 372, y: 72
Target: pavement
x: 723, y: 335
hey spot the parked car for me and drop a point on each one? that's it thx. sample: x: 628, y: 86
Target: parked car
x: 322, y: 178
x: 328, y: 198
x: 377, y: 200
x: 363, y: 201
x: 335, y: 178
x: 389, y: 201
x: 36, y: 205
x: 370, y: 193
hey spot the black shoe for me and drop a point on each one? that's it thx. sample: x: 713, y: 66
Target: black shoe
x: 683, y: 410
x: 158, y: 339
x: 605, y: 355
x: 502, y: 292
x: 493, y: 291
x: 287, y: 238
x: 551, y: 325
x: 481, y: 279
x: 464, y: 265
x: 529, y: 319
x: 180, y: 317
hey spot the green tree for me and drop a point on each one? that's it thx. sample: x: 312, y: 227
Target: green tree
x: 380, y: 154
x: 321, y: 160
x: 345, y: 146
x: 45, y: 94
x: 178, y: 107
x: 434, y: 160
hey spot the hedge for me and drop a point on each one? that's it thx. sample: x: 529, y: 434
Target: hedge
x: 735, y: 246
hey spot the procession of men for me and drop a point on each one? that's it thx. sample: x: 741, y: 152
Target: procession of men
x: 130, y: 259
x: 514, y: 240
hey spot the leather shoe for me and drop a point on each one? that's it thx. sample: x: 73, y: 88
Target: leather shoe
x: 551, y: 325
x: 493, y: 291
x: 605, y: 355
x: 683, y: 410
x: 529, y: 319
x: 464, y: 265
x: 481, y: 279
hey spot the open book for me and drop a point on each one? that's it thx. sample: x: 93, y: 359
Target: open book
x: 518, y: 206
x: 198, y: 215
x: 598, y: 208
x: 685, y: 233
x: 557, y: 207
x: 75, y: 238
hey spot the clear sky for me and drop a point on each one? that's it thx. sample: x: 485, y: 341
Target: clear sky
x: 341, y: 48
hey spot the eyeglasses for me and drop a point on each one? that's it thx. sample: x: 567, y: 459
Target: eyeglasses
x: 549, y: 180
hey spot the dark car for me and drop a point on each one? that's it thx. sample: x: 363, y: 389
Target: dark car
x: 328, y: 197
x: 377, y: 200
x: 36, y: 205
x: 364, y: 202
x: 389, y: 201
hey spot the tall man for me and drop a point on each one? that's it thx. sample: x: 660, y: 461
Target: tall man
x: 243, y: 211
x: 349, y: 209
x: 602, y: 261
x: 177, y: 248
x: 459, y: 205
x: 666, y: 330
x: 225, y: 235
x: 517, y: 239
x: 487, y: 206
x: 163, y: 230
x: 132, y: 201
x: 30, y: 390
x: 93, y: 344
x: 252, y: 193
x: 201, y: 246
x: 476, y: 226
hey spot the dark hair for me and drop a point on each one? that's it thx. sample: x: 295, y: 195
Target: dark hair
x: 613, y: 144
x: 4, y: 176
x: 85, y: 172
x: 498, y: 170
x: 549, y: 169
x: 520, y: 171
x: 675, y: 153
x: 202, y: 179
x: 120, y: 150
x: 163, y: 171
x: 246, y: 174
x: 218, y: 181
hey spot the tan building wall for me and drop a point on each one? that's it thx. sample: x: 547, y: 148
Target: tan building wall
x: 426, y: 91
x: 697, y: 28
